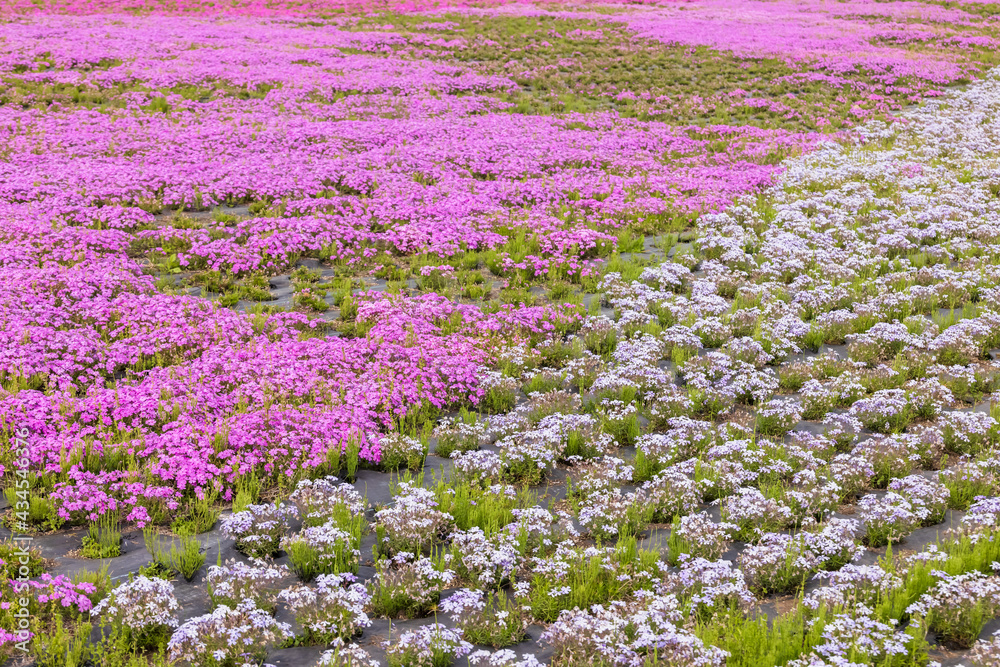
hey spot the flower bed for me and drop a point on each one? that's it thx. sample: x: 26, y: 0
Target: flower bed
x: 630, y: 321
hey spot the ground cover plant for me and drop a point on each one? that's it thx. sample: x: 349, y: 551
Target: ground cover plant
x: 350, y: 333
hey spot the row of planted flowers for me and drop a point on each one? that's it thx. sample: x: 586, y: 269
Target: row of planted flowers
x: 611, y: 602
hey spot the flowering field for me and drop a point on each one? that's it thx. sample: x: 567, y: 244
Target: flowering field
x: 353, y: 333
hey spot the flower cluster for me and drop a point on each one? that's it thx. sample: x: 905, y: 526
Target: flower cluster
x: 257, y: 529
x: 427, y: 646
x: 62, y: 593
x: 347, y: 655
x: 412, y: 524
x: 228, y: 635
x: 332, y: 608
x: 235, y: 581
x: 486, y: 562
x: 859, y: 638
x: 145, y: 607
x: 852, y: 585
x: 320, y: 500
x: 325, y: 241
x: 699, y: 536
x: 459, y: 436
x: 408, y: 586
x: 958, y: 606
x: 888, y: 518
x: 670, y: 494
x: 708, y: 587
x: 491, y: 618
x: 400, y: 451
x: 928, y: 498
x: 628, y: 630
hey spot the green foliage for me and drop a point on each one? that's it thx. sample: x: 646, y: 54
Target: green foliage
x: 594, y: 580
x: 965, y: 485
x: 307, y: 561
x: 42, y: 512
x: 963, y: 555
x: 200, y: 517
x: 456, y: 440
x: 186, y: 560
x: 601, y: 342
x: 474, y: 506
x: 60, y: 646
x: 348, y: 309
x: 11, y: 553
x: 624, y: 430
x: 248, y: 488
x: 497, y: 400
x: 103, y: 538
x: 754, y: 642
x: 543, y: 382
x: 157, y: 105
x: 644, y: 467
